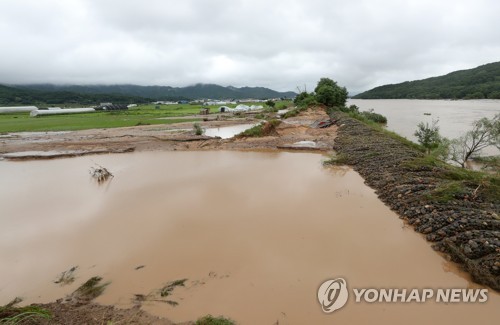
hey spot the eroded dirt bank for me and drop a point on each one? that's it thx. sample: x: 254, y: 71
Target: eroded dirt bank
x: 466, y: 228
x: 179, y: 136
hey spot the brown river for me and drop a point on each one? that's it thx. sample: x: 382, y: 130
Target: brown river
x: 254, y: 233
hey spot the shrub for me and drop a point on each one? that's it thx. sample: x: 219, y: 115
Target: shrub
x: 261, y: 130
x: 428, y: 135
x: 197, y: 129
x: 375, y: 117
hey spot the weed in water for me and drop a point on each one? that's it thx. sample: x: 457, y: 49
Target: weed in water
x: 91, y: 289
x: 66, y: 277
x: 167, y: 290
x: 336, y: 160
x: 211, y: 320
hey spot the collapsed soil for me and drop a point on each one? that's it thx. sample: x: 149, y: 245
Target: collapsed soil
x: 179, y: 136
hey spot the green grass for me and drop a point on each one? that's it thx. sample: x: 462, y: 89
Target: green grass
x: 71, y: 122
x: 381, y: 127
x: 140, y: 115
x: 21, y: 315
x: 255, y: 131
x: 211, y: 320
x: 457, y: 181
x: 260, y: 130
x: 294, y: 112
x: 336, y: 160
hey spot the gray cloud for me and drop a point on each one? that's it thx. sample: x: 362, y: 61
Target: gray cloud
x: 277, y: 44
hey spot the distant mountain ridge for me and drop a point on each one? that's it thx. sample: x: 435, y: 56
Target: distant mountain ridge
x: 197, y: 91
x: 478, y: 83
x: 10, y: 96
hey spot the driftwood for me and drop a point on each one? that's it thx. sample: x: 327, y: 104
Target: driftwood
x: 321, y: 124
x: 101, y: 174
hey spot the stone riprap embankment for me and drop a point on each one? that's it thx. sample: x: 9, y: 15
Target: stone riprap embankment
x: 465, y: 226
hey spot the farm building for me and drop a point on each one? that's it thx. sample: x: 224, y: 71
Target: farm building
x: 41, y: 112
x: 18, y: 109
x: 112, y: 107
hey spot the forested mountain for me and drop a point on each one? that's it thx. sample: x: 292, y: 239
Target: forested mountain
x: 477, y: 83
x: 198, y: 91
x: 10, y: 96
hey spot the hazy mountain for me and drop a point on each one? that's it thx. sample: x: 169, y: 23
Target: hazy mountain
x: 198, y: 91
x: 477, y: 83
x: 24, y: 96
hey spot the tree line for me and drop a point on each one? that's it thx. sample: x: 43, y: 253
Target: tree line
x: 10, y: 96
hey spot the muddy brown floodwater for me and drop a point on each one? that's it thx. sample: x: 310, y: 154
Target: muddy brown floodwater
x: 254, y: 233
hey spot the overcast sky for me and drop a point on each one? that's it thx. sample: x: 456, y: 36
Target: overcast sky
x: 277, y: 44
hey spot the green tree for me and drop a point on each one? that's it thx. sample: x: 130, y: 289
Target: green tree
x: 485, y: 132
x: 329, y: 93
x: 301, y: 97
x: 428, y: 135
x: 270, y: 103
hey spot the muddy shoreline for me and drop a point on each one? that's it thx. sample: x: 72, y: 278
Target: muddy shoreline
x: 466, y: 230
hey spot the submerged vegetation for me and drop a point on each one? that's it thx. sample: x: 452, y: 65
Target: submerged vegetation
x: 169, y: 287
x: 90, y: 290
x: 66, y: 277
x: 211, y: 320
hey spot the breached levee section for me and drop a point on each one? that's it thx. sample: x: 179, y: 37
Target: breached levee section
x: 465, y: 226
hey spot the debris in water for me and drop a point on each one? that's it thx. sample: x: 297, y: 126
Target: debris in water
x: 88, y: 291
x: 13, y: 302
x: 67, y: 277
x: 100, y: 173
x: 166, y: 290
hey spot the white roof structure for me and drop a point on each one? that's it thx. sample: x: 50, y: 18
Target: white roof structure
x: 61, y: 111
x: 245, y: 108
x: 18, y: 109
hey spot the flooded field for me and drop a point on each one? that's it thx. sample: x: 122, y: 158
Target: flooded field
x: 227, y: 132
x: 254, y: 234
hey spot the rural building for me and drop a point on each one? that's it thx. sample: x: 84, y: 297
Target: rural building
x: 112, y: 107
x: 17, y: 109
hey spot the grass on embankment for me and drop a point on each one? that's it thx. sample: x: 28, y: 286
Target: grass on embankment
x: 9, y: 314
x: 379, y: 125
x: 458, y: 182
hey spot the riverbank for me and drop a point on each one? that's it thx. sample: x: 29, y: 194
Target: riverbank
x: 454, y: 209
